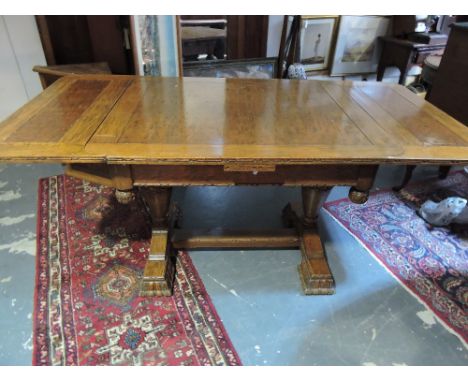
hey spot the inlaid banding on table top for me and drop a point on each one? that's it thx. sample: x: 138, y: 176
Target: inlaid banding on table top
x: 131, y: 119
x: 73, y: 114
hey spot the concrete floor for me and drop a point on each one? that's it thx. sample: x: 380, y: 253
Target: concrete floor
x: 371, y: 320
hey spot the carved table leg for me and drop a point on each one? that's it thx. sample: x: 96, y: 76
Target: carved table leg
x: 444, y: 171
x: 159, y: 273
x: 359, y: 193
x: 408, y: 174
x: 315, y: 274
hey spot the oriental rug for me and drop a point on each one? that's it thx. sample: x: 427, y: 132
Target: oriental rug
x: 91, y: 253
x: 431, y: 262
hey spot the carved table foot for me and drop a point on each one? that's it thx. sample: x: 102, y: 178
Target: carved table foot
x: 314, y: 271
x: 315, y: 274
x: 159, y: 273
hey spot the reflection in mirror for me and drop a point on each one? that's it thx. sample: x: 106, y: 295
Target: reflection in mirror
x: 233, y: 46
x: 203, y: 37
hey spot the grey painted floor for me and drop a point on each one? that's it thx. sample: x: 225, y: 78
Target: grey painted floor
x: 370, y: 320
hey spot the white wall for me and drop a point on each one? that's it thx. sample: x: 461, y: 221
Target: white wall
x: 20, y: 50
x: 275, y: 26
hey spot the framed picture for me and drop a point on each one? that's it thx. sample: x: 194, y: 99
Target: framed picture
x: 243, y: 68
x: 356, y: 48
x: 317, y: 41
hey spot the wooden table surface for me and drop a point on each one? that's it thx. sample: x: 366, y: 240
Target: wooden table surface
x: 149, y: 120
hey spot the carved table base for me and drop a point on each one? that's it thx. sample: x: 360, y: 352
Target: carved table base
x: 154, y: 183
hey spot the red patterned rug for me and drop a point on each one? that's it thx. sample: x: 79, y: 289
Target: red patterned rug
x: 431, y: 262
x: 90, y: 255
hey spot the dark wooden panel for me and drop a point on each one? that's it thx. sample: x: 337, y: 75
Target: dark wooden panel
x: 450, y: 89
x: 86, y: 39
x: 247, y: 37
x: 70, y: 39
x: 107, y: 42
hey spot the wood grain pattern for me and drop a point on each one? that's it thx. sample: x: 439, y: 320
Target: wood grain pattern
x: 63, y: 112
x: 232, y: 122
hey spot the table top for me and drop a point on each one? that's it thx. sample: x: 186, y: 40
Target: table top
x: 153, y: 120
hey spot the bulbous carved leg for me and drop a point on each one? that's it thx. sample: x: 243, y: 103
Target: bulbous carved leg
x: 124, y: 197
x: 123, y: 183
x: 358, y: 197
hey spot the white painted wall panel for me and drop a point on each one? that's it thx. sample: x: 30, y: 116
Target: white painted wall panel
x: 275, y: 26
x: 20, y: 50
x: 12, y: 90
x: 26, y: 44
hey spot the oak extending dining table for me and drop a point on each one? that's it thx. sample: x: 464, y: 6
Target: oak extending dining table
x: 145, y: 135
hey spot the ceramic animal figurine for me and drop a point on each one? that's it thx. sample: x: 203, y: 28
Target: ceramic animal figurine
x: 450, y: 210
x: 297, y: 72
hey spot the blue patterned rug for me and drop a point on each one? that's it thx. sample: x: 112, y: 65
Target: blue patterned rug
x: 431, y: 262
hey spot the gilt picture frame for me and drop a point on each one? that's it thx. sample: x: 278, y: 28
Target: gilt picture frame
x: 357, y: 50
x: 317, y: 41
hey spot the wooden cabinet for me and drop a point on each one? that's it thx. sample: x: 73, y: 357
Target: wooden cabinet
x: 450, y: 88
